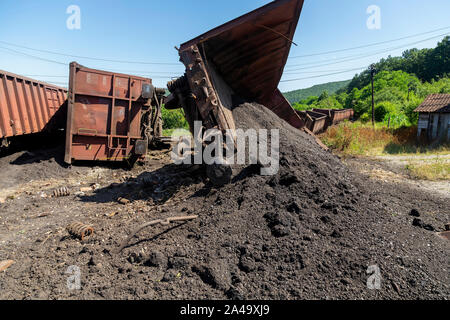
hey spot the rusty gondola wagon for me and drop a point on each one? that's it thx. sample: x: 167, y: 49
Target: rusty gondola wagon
x: 335, y: 116
x: 111, y: 116
x: 28, y: 106
x: 314, y: 121
x: 242, y: 60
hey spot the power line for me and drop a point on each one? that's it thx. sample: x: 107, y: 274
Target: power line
x: 318, y: 71
x: 65, y: 64
x: 339, y: 60
x: 85, y: 57
x: 34, y: 57
x: 322, y: 75
x: 177, y: 64
x: 368, y: 45
x: 372, y: 52
x: 365, y: 55
x: 125, y: 71
x: 143, y: 73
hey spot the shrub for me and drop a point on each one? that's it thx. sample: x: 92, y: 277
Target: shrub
x: 174, y: 119
x: 384, y: 109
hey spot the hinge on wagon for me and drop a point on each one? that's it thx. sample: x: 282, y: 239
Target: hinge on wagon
x: 199, y: 82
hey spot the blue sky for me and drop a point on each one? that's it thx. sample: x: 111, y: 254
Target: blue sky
x: 147, y: 31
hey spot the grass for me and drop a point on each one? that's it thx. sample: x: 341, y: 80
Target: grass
x: 437, y: 170
x: 357, y: 138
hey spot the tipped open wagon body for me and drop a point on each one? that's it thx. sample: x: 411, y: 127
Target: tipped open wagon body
x: 28, y: 106
x: 242, y: 60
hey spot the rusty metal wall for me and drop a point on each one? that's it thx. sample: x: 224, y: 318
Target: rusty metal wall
x: 319, y: 123
x: 314, y: 121
x: 336, y: 115
x: 341, y: 115
x: 104, y: 115
x: 27, y: 105
x: 249, y: 53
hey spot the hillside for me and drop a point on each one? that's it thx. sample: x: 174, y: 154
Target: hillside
x: 401, y: 84
x: 317, y: 90
x: 426, y: 64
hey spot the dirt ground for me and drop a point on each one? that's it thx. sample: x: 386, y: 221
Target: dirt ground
x: 393, y: 169
x: 310, y: 232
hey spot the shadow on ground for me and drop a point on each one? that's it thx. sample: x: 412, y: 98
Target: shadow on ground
x: 419, y: 148
x: 159, y: 185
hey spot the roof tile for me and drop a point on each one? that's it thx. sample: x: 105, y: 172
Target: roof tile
x: 435, y: 103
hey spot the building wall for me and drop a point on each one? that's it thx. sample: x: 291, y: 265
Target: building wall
x: 446, y: 129
x: 423, y: 123
x: 436, y: 125
x: 443, y: 127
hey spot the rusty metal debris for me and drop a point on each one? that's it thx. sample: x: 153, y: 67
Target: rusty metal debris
x: 41, y: 215
x: 163, y: 222
x: 123, y: 200
x: 80, y: 230
x: 318, y: 141
x: 6, y: 264
x: 61, y: 192
x: 445, y: 235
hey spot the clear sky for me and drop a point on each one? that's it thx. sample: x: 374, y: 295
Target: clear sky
x: 148, y: 30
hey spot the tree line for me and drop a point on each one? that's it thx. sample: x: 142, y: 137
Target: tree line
x: 401, y: 84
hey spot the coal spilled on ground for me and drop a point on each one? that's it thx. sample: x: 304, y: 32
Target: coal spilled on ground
x: 315, y: 230
x: 311, y: 231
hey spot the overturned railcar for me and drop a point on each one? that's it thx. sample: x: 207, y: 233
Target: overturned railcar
x: 111, y: 116
x: 28, y: 106
x: 334, y: 116
x: 242, y: 60
x: 314, y: 121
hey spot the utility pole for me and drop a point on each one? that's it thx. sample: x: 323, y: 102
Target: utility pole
x: 372, y: 73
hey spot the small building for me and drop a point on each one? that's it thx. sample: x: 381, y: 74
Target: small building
x: 434, y: 117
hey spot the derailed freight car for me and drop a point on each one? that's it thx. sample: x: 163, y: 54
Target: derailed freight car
x: 111, y: 116
x: 314, y: 121
x: 241, y: 60
x: 28, y: 106
x: 336, y: 115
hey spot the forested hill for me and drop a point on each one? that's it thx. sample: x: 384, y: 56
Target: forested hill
x: 400, y: 86
x: 301, y: 94
x: 425, y: 64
